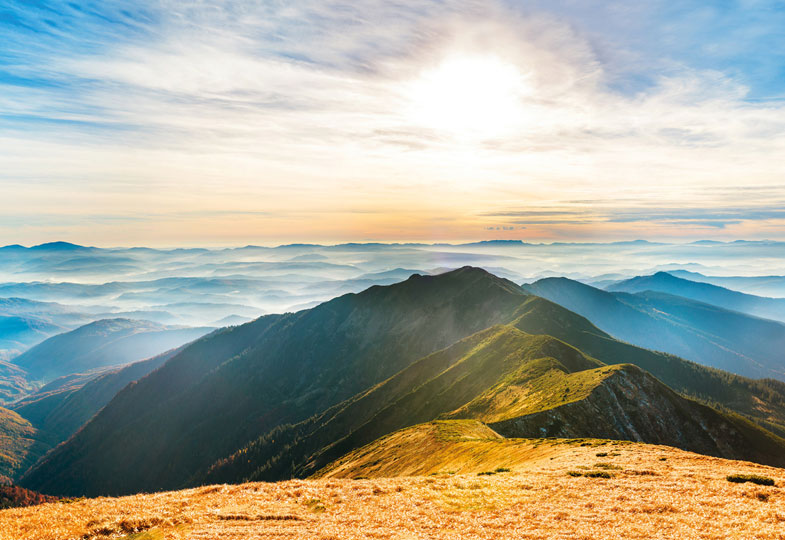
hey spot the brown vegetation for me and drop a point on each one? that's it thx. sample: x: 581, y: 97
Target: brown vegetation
x: 683, y: 496
x: 15, y: 496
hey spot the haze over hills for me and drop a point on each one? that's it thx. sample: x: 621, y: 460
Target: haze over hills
x: 769, y: 308
x: 225, y: 391
x: 703, y: 333
x: 766, y: 286
x: 104, y: 343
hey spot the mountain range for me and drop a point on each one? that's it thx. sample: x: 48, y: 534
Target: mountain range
x: 101, y: 344
x: 664, y: 282
x: 698, y: 331
x: 285, y: 394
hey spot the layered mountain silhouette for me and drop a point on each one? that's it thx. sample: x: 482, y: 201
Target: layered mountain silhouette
x: 103, y: 343
x: 704, y: 333
x: 286, y: 394
x: 664, y: 282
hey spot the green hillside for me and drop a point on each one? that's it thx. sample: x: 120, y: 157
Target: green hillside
x: 521, y: 385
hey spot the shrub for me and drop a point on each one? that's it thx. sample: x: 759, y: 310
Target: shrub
x: 598, y: 474
x: 591, y: 474
x: 606, y: 466
x: 502, y: 470
x: 754, y: 478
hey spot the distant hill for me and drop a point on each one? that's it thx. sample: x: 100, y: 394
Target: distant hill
x: 771, y: 286
x: 703, y: 333
x: 24, y: 323
x: 769, y: 308
x: 108, y: 342
x: 297, y: 389
x: 19, y: 333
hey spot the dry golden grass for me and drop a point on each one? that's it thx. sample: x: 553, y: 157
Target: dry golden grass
x: 656, y: 492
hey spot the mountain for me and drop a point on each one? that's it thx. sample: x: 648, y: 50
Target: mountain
x: 107, y: 342
x: 520, y: 385
x: 401, y: 353
x: 759, y: 306
x: 20, y: 444
x: 700, y: 332
x: 227, y: 389
x: 59, y: 246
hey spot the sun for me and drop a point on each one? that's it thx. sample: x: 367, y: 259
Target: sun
x: 468, y: 97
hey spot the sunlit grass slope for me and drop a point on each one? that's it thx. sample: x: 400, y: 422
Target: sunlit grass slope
x: 587, y: 489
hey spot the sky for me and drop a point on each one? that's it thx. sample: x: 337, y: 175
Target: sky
x: 224, y: 123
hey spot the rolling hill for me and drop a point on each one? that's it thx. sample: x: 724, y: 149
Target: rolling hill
x: 767, y: 286
x: 664, y: 282
x: 103, y: 343
x: 466, y: 335
x: 697, y: 331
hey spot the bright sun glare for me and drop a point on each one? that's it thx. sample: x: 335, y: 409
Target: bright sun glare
x: 468, y: 97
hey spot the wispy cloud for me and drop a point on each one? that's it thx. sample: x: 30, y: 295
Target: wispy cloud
x: 276, y: 111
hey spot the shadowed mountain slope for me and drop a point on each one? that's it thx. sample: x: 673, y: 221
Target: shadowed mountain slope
x: 700, y: 332
x: 59, y: 414
x: 108, y: 342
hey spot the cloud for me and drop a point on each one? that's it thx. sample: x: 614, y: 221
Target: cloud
x: 244, y: 106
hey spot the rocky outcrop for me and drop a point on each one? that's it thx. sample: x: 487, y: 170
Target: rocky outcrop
x: 631, y: 404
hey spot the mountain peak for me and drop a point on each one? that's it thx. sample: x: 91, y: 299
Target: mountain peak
x: 58, y: 246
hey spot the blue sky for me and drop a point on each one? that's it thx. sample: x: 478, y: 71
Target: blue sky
x: 228, y: 122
